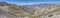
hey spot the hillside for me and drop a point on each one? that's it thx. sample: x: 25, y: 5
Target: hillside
x: 30, y: 11
x: 14, y: 9
x: 45, y: 10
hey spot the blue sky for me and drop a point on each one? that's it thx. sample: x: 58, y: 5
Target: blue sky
x: 27, y: 2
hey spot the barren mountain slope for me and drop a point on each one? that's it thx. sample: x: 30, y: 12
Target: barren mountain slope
x: 36, y: 11
x: 12, y: 9
x: 45, y: 11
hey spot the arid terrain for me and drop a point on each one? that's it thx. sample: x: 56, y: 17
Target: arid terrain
x: 49, y: 10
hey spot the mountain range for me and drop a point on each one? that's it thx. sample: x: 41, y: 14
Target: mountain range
x: 32, y: 11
